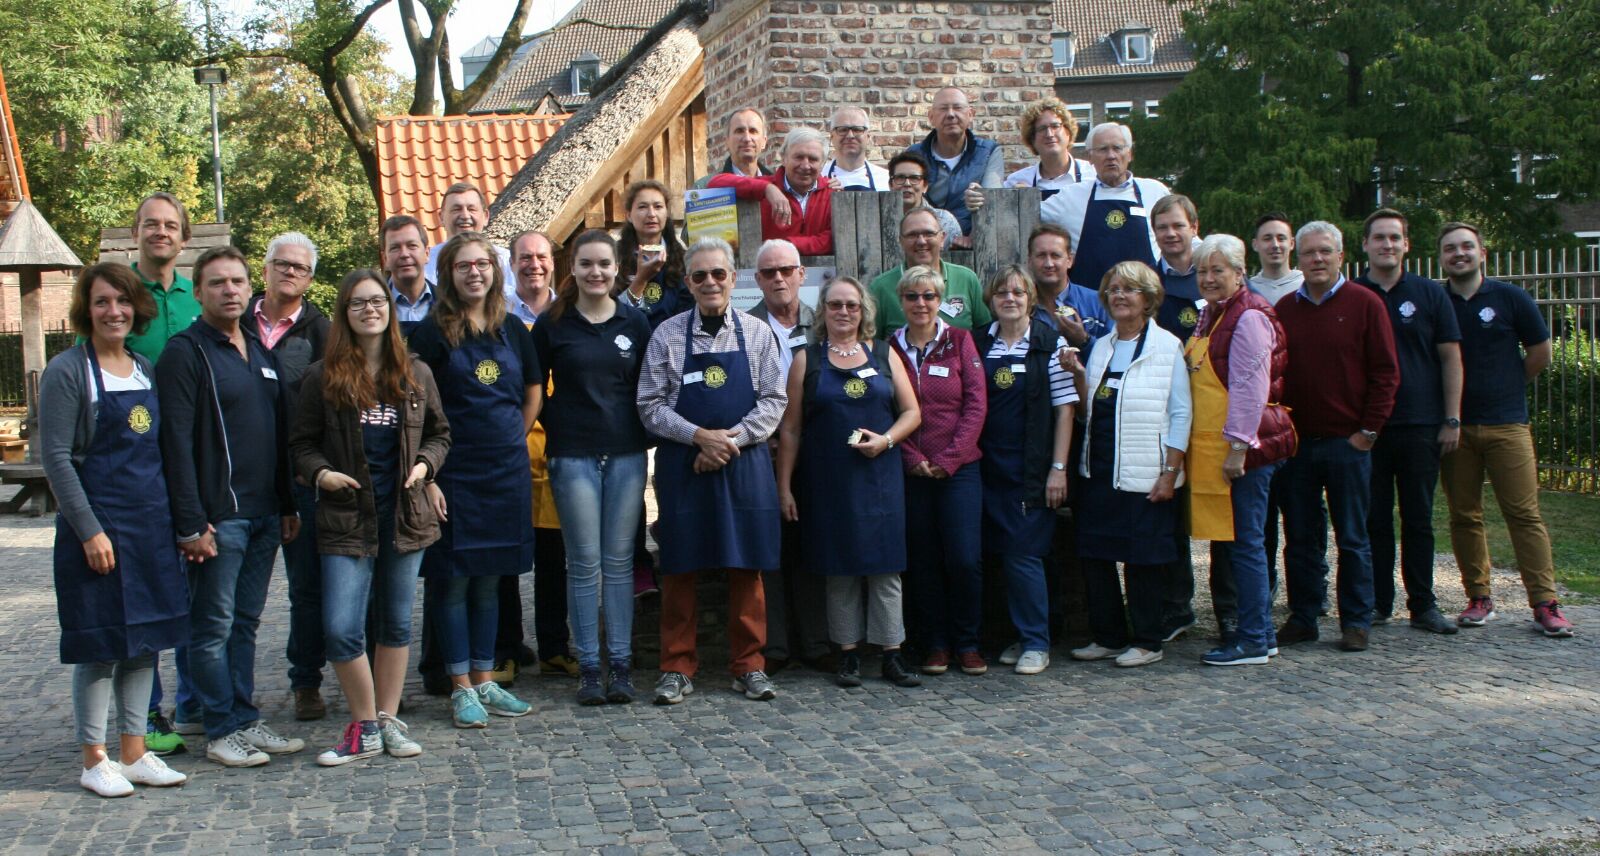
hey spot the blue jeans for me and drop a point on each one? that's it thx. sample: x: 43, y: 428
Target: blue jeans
x: 944, y: 567
x: 598, y: 501
x: 1244, y: 558
x: 469, y: 613
x: 348, y: 584
x: 304, y: 572
x: 226, y: 596
x: 1027, y: 595
x: 185, y: 707
x: 1345, y: 472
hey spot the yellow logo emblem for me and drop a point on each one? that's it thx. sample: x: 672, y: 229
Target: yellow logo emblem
x: 1103, y: 392
x: 652, y: 293
x: 716, y: 376
x: 139, y: 419
x: 1003, y: 377
x: 855, y: 387
x: 1116, y: 219
x: 1188, y: 317
x: 488, y: 372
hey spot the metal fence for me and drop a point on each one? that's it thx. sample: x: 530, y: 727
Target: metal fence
x: 1564, y: 401
x: 13, y: 385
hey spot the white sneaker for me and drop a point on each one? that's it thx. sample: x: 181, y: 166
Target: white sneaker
x: 1032, y: 662
x: 269, y: 741
x: 1137, y: 657
x: 105, y: 780
x: 1011, y: 654
x: 151, y: 770
x: 234, y: 751
x: 1094, y: 651
x: 395, y: 740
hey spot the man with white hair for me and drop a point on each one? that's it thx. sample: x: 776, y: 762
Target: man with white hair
x: 795, y: 203
x: 1109, y: 216
x: 296, y: 332
x: 713, y: 391
x: 851, y: 131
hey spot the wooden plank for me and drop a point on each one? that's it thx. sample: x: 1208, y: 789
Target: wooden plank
x: 1028, y: 202
x: 749, y: 232
x: 677, y: 164
x: 699, y: 143
x: 1005, y: 235
x: 845, y: 234
x: 891, y: 210
x: 986, y: 234
x: 863, y: 260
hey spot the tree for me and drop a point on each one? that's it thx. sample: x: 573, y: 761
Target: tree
x: 1312, y: 107
x: 104, y: 114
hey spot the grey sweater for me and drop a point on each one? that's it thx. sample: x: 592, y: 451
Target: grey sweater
x: 66, y: 426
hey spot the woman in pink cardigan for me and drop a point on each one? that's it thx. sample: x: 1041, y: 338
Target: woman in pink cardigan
x: 944, y: 494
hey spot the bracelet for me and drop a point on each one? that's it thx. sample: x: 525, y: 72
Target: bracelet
x: 1170, y: 470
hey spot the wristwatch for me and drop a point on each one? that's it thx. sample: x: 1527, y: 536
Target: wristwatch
x: 1238, y: 445
x: 1172, y: 470
x: 1372, y: 436
x: 1058, y: 466
x: 1452, y: 422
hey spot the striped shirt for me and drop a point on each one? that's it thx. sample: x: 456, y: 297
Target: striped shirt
x: 662, y: 376
x: 1062, y: 389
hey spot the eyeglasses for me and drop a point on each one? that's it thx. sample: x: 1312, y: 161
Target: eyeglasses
x: 921, y: 235
x: 360, y: 304
x: 479, y: 265
x: 700, y: 276
x: 850, y: 306
x: 907, y: 178
x: 285, y: 266
x: 1047, y: 129
x: 780, y: 270
x: 1129, y: 290
x: 1108, y: 150
x: 920, y: 297
x: 1011, y: 292
x: 846, y: 130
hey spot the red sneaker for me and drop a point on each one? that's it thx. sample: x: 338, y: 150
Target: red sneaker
x: 1550, y: 619
x: 972, y: 662
x: 1479, y: 611
x: 937, y: 662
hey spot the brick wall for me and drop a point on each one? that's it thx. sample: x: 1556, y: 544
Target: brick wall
x: 57, y: 296
x: 798, y: 60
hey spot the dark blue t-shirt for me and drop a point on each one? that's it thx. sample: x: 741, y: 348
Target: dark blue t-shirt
x: 1496, y: 325
x: 380, y: 439
x: 1180, y: 309
x: 592, y: 407
x: 1422, y: 320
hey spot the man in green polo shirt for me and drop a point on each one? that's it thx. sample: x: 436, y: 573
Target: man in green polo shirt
x: 921, y: 240
x: 161, y: 231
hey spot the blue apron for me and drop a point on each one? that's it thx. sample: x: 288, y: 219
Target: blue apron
x: 1178, y: 313
x: 723, y: 519
x: 852, y: 507
x: 1111, y: 233
x: 872, y: 185
x: 485, y: 478
x: 142, y: 606
x: 663, y: 300
x: 1119, y: 525
x: 1046, y: 193
x: 1010, y: 527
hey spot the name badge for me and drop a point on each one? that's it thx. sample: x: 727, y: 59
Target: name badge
x: 1137, y: 211
x: 1114, y: 383
x: 797, y: 341
x: 867, y: 372
x: 1018, y: 368
x: 269, y: 374
x: 951, y: 309
x: 939, y: 371
x: 693, y: 377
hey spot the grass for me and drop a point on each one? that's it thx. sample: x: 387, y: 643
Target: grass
x: 1574, y: 523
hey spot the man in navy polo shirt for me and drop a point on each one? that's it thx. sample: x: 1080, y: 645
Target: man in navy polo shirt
x: 1504, y: 345
x: 1425, y: 424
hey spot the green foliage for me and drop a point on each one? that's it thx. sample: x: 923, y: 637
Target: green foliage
x: 1561, y: 403
x: 1307, y: 106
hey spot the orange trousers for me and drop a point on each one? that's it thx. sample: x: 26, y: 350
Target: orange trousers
x: 680, y: 622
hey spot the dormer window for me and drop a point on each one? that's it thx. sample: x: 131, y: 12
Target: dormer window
x: 1134, y: 44
x: 585, y: 71
x: 1063, y: 51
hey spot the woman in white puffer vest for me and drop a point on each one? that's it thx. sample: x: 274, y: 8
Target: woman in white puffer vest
x: 1137, y: 410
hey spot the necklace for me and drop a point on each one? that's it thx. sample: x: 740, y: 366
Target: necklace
x: 855, y: 349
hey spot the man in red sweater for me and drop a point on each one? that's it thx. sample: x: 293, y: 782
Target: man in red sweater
x: 1340, y: 386
x: 795, y: 204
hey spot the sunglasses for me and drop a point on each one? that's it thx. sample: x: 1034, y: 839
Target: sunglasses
x: 851, y: 306
x: 922, y: 297
x: 780, y: 270
x: 700, y: 276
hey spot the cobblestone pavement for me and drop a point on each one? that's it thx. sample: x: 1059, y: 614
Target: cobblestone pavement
x: 1476, y: 742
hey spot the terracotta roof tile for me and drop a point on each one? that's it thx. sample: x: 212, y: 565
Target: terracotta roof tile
x: 420, y: 156
x: 545, y: 67
x: 13, y: 178
x: 1092, y: 23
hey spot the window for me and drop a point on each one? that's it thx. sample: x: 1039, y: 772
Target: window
x: 1083, y: 118
x: 1136, y: 48
x: 1526, y: 171
x: 1590, y: 239
x: 585, y: 70
x: 1118, y: 111
x: 1062, y: 51
x: 1152, y: 109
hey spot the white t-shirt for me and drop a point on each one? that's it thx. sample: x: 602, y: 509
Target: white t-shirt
x: 135, y: 381
x: 785, y: 347
x: 869, y: 177
x: 1028, y: 176
x: 1274, y: 290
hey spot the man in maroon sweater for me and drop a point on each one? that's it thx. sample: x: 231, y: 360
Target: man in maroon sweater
x: 1340, y: 386
x: 796, y: 204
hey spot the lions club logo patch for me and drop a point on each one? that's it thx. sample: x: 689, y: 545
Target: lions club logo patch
x: 1103, y: 392
x: 488, y: 372
x: 139, y: 419
x: 1116, y: 220
x: 1003, y: 378
x: 855, y: 387
x: 652, y: 293
x: 716, y: 376
x: 1407, y: 309
x: 1188, y: 317
x: 1486, y: 315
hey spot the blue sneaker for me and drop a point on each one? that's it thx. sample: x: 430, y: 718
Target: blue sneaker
x: 1233, y: 655
x: 497, y: 701
x: 467, y: 708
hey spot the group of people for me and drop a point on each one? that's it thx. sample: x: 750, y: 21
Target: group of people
x: 463, y: 417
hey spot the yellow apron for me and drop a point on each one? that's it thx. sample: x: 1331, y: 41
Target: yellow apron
x: 1210, y: 492
x: 544, y: 501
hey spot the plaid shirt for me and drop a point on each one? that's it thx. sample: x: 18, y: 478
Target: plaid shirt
x: 662, y: 376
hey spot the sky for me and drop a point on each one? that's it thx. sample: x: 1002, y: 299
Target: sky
x: 472, y: 20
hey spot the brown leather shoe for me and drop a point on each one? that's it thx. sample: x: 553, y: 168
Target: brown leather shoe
x: 308, y: 704
x: 1353, y: 639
